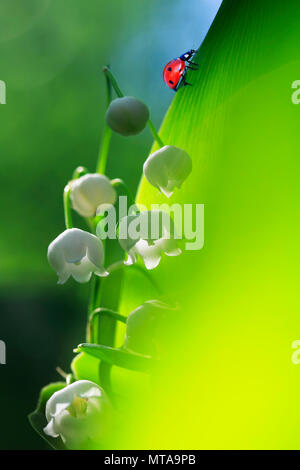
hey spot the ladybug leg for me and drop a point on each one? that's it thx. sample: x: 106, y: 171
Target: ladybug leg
x: 185, y: 82
x: 192, y: 63
x: 191, y: 68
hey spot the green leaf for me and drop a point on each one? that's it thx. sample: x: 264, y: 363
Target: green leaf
x: 38, y: 419
x: 86, y: 367
x: 238, y: 295
x: 118, y: 357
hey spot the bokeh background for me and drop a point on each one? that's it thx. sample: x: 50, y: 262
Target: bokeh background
x: 51, y: 55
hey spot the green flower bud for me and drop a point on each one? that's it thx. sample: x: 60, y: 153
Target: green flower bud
x: 142, y: 327
x: 127, y: 116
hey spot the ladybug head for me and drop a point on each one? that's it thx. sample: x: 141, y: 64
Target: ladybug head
x: 187, y: 55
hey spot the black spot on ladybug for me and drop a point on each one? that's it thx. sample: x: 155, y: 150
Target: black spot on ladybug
x: 170, y: 69
x: 170, y: 81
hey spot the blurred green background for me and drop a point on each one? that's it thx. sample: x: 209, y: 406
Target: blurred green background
x: 51, y: 55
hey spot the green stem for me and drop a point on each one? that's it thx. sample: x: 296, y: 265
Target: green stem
x: 113, y: 81
x: 107, y: 133
x: 100, y: 312
x: 115, y: 266
x: 155, y: 134
x: 67, y: 207
x: 90, y: 224
x: 108, y: 298
x: 92, y: 295
x: 101, y: 168
x: 79, y: 171
x: 103, y: 154
x: 119, y: 93
x: 123, y: 190
x: 105, y: 292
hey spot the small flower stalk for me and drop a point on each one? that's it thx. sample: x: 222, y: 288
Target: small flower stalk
x: 127, y: 116
x: 78, y: 254
x: 167, y: 168
x: 148, y: 235
x: 78, y: 414
x: 89, y: 192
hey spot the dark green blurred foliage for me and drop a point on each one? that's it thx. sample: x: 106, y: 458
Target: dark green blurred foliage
x: 53, y: 118
x: 51, y: 58
x: 35, y: 347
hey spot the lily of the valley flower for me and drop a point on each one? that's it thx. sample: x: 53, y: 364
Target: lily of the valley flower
x: 78, y: 414
x: 148, y: 234
x: 142, y: 327
x: 90, y: 191
x: 76, y: 253
x: 167, y: 168
x: 127, y: 116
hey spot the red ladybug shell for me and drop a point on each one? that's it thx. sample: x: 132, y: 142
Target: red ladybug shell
x: 173, y: 72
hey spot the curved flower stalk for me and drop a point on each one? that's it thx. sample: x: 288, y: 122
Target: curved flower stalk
x: 126, y: 117
x: 148, y: 234
x: 142, y: 325
x: 167, y: 168
x: 76, y: 253
x: 90, y: 191
x: 78, y: 414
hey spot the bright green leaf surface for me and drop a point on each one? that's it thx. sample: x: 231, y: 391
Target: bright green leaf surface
x: 231, y: 382
x: 86, y: 367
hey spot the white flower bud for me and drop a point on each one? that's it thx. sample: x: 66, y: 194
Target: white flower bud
x: 148, y: 234
x: 127, y: 116
x: 167, y: 168
x: 78, y: 414
x: 76, y: 253
x: 142, y: 327
x: 90, y: 191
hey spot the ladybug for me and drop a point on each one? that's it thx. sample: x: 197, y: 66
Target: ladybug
x: 175, y: 70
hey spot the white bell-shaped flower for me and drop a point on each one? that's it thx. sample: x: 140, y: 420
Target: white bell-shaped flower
x: 148, y: 234
x: 76, y: 253
x: 167, y: 168
x: 89, y: 192
x: 78, y: 414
